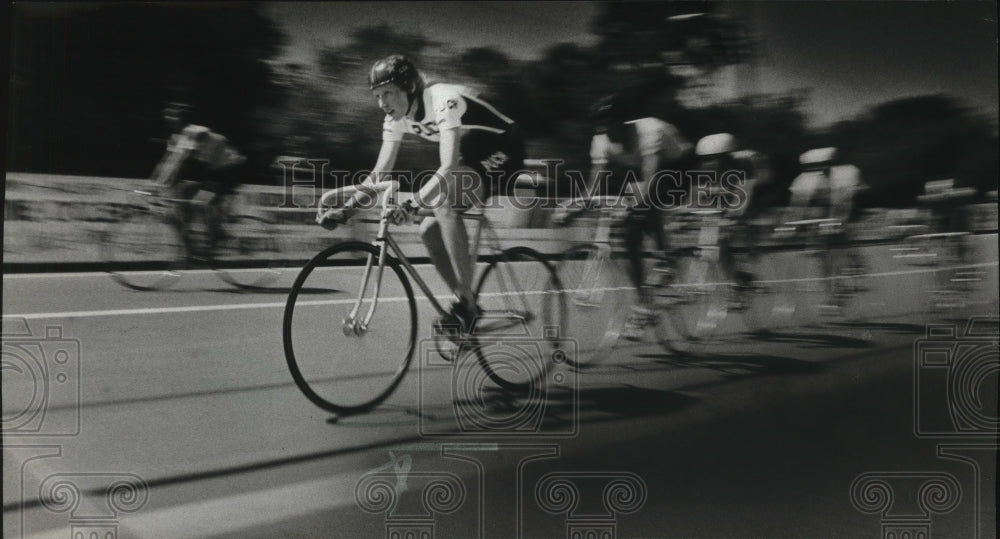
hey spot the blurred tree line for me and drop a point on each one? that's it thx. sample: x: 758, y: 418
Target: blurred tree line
x: 88, y: 84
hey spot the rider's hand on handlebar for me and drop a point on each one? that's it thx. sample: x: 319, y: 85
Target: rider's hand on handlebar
x: 332, y: 218
x: 403, y: 214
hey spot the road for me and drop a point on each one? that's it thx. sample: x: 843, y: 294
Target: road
x: 186, y: 394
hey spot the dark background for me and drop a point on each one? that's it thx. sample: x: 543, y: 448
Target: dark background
x: 87, y: 85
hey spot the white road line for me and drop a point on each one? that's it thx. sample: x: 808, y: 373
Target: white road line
x: 211, y: 308
x: 186, y: 309
x: 273, y: 305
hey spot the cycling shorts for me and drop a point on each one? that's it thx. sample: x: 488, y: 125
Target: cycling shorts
x: 220, y: 181
x: 496, y: 157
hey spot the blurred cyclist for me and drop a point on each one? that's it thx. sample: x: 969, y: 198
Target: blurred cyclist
x: 739, y: 175
x: 481, y: 150
x: 197, y: 159
x: 639, y: 148
x: 827, y: 183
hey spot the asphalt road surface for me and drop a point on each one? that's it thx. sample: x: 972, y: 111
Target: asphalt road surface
x: 173, y: 414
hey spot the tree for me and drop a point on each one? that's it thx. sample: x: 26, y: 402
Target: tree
x: 902, y: 144
x: 92, y: 80
x: 700, y: 34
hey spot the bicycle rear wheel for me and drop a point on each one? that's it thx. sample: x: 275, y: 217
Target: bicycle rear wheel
x: 141, y: 249
x: 771, y: 296
x: 696, y: 306
x: 341, y: 366
x: 518, y: 338
x: 598, y: 296
x: 249, y: 254
x: 845, y: 283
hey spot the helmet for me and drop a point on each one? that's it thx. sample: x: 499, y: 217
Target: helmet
x: 396, y: 69
x: 818, y: 157
x: 718, y: 143
x: 606, y: 111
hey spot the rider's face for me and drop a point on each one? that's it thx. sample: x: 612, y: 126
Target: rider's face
x: 392, y: 100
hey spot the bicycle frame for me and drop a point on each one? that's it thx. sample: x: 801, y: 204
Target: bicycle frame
x: 387, y: 245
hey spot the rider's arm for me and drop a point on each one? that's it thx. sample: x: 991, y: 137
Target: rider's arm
x: 385, y: 162
x: 600, y: 149
x: 650, y: 165
x: 660, y: 143
x: 166, y: 171
x: 449, y: 107
x: 448, y: 149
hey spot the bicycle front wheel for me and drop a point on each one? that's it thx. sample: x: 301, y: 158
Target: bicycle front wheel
x: 519, y: 338
x: 845, y: 283
x: 342, y: 364
x: 141, y: 250
x: 696, y: 305
x: 249, y: 254
x: 598, y: 295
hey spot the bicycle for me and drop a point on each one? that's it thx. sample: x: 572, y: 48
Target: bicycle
x: 693, y: 293
x: 832, y: 276
x: 599, y: 289
x: 144, y: 250
x: 347, y: 356
x: 946, y: 250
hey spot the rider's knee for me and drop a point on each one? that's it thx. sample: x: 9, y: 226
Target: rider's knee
x: 429, y: 227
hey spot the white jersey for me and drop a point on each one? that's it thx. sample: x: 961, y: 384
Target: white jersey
x: 205, y: 146
x: 815, y: 188
x: 445, y: 106
x: 653, y: 137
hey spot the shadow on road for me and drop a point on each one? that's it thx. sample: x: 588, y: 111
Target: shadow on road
x: 281, y: 291
x: 740, y: 365
x: 885, y: 327
x: 814, y: 340
x: 496, y: 411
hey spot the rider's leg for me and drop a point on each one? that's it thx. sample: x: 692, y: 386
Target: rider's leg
x: 214, y: 214
x: 446, y: 237
x: 634, y: 234
x: 430, y: 233
x: 180, y: 215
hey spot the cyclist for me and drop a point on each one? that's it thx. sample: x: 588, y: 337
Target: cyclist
x: 197, y: 159
x: 825, y: 182
x: 481, y: 150
x: 640, y: 148
x: 739, y: 175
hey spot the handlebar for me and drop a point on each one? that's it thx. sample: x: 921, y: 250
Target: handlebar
x: 332, y: 197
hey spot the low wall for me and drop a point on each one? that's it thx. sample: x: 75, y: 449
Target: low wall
x: 57, y: 219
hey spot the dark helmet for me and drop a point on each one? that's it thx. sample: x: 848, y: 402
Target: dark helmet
x: 396, y: 69
x: 606, y: 111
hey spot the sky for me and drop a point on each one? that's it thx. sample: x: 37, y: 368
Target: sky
x: 852, y: 55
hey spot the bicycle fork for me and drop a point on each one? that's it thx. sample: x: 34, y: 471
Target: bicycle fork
x: 352, y: 324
